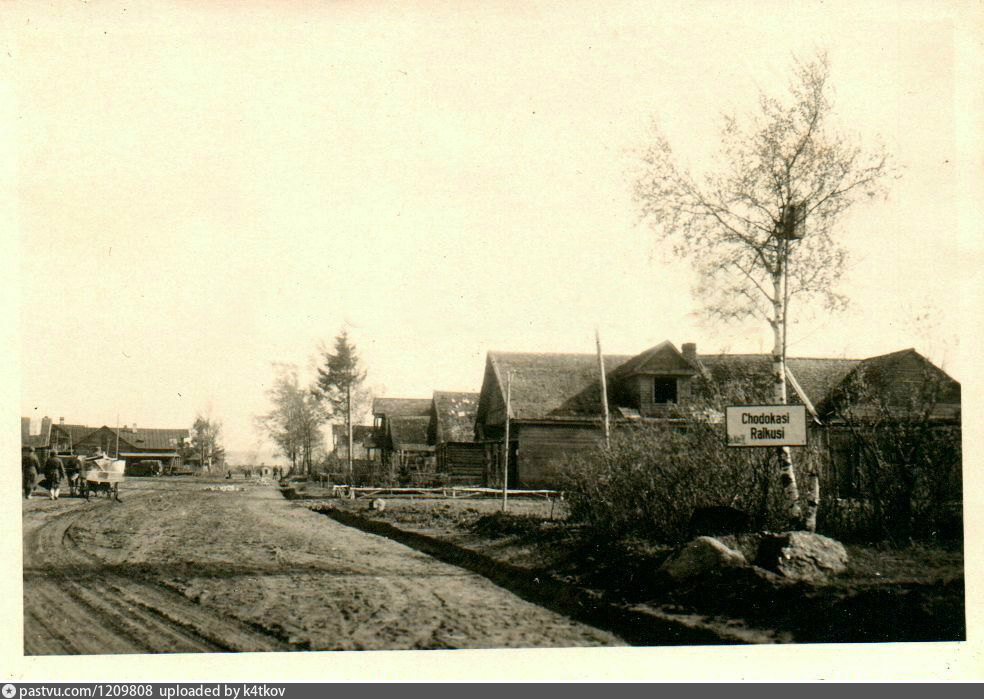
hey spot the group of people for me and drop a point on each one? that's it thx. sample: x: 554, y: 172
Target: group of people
x: 56, y: 472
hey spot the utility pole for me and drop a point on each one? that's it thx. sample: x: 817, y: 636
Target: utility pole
x: 348, y: 420
x: 505, y: 461
x: 604, y: 391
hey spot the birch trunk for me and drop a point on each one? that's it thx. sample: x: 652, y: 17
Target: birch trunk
x: 787, y: 474
x: 812, y: 497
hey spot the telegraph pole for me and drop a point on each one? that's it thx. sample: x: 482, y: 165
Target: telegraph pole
x: 604, y: 391
x: 505, y: 461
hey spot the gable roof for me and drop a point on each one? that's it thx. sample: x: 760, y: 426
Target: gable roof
x: 74, y: 433
x: 898, y: 377
x: 138, y: 438
x: 818, y: 376
x: 551, y: 385
x: 810, y: 378
x: 152, y: 438
x: 664, y: 358
x: 405, y: 407
x: 408, y: 432
x: 453, y: 419
x: 557, y: 386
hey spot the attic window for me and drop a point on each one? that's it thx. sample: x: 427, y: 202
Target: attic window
x: 664, y: 390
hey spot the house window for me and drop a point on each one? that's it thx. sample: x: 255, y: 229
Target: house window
x: 664, y: 390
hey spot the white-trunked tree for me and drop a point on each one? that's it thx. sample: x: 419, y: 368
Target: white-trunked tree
x: 759, y: 228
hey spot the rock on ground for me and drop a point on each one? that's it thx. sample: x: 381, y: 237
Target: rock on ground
x: 802, y: 556
x: 704, y: 554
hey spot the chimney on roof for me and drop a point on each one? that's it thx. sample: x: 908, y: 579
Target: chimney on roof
x: 45, y: 425
x: 690, y: 352
x: 61, y: 421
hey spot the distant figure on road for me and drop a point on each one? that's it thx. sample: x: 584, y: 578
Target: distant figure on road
x: 54, y: 471
x: 29, y: 471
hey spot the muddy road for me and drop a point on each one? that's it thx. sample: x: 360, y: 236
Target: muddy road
x: 175, y: 567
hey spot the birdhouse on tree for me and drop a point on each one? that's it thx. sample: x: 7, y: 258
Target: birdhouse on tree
x: 791, y: 225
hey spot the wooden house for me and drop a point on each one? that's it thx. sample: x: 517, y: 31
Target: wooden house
x: 898, y: 387
x: 451, y: 430
x: 399, y: 435
x: 556, y: 407
x: 129, y: 443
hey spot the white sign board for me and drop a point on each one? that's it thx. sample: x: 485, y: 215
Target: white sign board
x: 766, y: 425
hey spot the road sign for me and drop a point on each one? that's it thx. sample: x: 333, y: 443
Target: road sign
x: 766, y: 425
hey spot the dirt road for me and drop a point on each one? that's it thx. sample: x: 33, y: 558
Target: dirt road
x: 178, y: 568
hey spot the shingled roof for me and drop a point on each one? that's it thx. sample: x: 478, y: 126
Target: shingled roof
x: 74, y: 433
x: 558, y: 386
x: 898, y: 377
x: 819, y: 376
x: 153, y: 438
x: 552, y: 385
x: 139, y: 438
x: 408, y: 432
x: 453, y: 418
x: 405, y: 407
x: 812, y: 378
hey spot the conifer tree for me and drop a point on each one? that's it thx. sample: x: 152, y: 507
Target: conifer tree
x: 338, y: 384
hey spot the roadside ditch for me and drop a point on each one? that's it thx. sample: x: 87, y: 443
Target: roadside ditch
x: 887, y: 596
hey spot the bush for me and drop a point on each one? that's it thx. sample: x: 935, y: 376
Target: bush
x: 654, y: 475
x: 901, y: 453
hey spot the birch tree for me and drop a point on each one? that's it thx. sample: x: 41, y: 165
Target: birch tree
x: 294, y: 422
x: 206, y: 439
x: 760, y: 227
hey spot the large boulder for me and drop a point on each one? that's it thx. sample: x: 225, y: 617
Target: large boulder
x: 802, y: 556
x: 701, y: 556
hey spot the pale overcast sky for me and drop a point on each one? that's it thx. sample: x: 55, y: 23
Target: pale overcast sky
x: 202, y: 192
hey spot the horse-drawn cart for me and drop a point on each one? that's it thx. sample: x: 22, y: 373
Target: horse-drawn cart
x: 101, y: 475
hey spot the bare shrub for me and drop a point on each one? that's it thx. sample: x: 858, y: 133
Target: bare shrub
x: 656, y: 474
x: 899, y: 456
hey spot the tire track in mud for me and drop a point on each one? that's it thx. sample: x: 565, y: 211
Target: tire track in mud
x: 73, y: 605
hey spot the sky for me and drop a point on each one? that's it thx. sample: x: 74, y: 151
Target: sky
x: 204, y: 189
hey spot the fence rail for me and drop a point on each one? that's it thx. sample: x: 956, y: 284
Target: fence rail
x: 353, y: 492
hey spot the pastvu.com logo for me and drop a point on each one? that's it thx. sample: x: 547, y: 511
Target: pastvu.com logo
x: 9, y: 690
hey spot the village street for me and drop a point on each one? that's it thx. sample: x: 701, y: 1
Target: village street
x: 178, y: 566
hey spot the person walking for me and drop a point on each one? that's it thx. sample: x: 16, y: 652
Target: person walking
x: 29, y: 471
x: 54, y: 471
x: 73, y: 469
